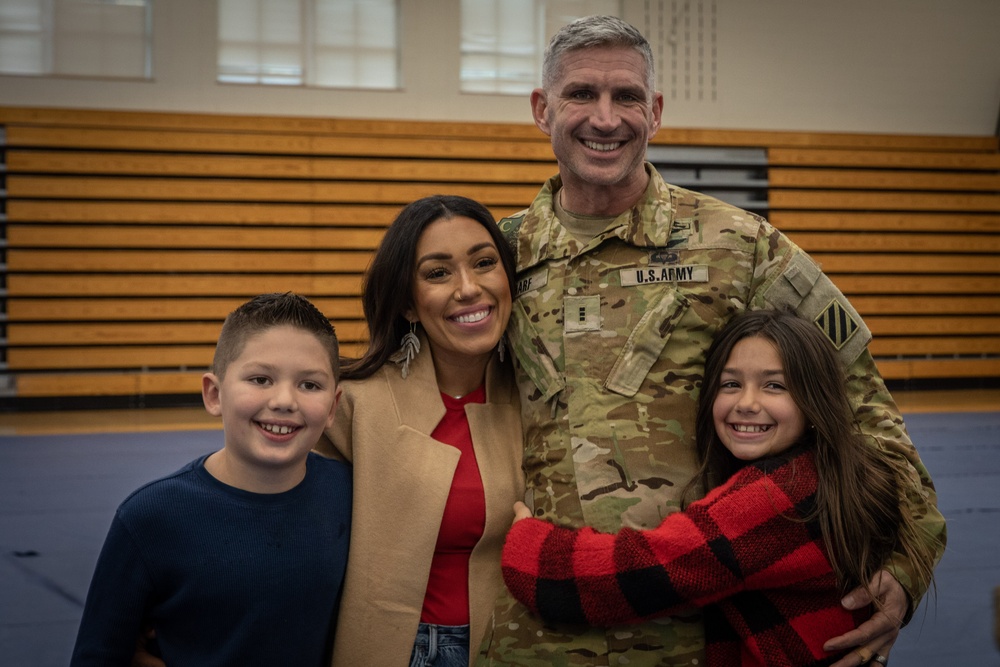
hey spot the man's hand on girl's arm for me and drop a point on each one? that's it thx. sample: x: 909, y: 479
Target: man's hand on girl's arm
x: 876, y: 635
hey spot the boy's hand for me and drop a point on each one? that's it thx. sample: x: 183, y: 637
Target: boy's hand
x: 521, y: 511
x: 142, y: 657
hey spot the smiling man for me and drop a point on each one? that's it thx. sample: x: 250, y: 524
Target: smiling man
x: 623, y: 281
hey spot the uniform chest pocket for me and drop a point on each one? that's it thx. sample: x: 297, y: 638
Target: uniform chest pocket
x: 646, y: 342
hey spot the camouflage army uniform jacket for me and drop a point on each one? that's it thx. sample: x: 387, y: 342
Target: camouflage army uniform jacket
x: 609, y: 338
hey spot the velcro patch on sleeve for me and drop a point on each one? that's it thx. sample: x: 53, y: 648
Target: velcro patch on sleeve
x: 804, y: 288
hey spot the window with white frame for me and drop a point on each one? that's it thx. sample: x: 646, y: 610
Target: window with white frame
x: 320, y: 43
x: 503, y: 40
x: 95, y: 38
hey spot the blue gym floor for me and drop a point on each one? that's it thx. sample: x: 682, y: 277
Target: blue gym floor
x: 58, y: 493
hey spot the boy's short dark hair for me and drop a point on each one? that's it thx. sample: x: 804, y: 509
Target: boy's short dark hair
x: 265, y: 312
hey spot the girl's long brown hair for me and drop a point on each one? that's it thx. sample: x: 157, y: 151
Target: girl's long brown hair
x: 860, y: 490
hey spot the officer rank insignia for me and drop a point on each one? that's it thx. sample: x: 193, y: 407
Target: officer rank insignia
x: 836, y: 322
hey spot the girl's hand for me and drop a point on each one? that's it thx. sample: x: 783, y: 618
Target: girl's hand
x: 521, y: 511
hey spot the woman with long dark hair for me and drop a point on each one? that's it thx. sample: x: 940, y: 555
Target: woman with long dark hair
x: 430, y: 420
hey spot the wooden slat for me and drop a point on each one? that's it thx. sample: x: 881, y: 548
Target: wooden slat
x: 815, y: 242
x: 869, y: 283
x: 908, y: 369
x: 191, y: 357
x: 89, y: 310
x: 137, y: 333
x: 917, y: 325
x: 882, y: 201
x: 118, y: 356
x: 243, y: 214
x: 788, y: 157
x: 890, y: 346
x: 243, y: 166
x: 950, y: 304
x: 872, y: 179
x: 255, y: 124
x: 952, y: 223
x: 275, y: 144
x: 264, y: 191
x: 133, y: 383
x: 201, y: 237
x: 117, y: 333
x: 822, y: 140
x: 920, y: 264
x: 140, y: 285
x: 231, y: 213
x: 179, y: 261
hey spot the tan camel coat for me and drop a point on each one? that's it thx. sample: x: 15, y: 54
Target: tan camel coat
x: 402, y: 478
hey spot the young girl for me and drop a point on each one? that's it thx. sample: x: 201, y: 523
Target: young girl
x: 801, y: 511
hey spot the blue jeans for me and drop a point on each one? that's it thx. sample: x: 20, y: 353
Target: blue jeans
x: 441, y: 646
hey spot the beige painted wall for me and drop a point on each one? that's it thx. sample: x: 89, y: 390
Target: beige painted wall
x: 909, y: 66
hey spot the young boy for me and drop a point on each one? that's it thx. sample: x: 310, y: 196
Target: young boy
x: 238, y: 557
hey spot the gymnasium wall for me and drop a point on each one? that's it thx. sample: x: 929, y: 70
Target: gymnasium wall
x: 907, y: 66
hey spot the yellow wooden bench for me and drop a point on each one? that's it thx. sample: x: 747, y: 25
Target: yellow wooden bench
x: 130, y: 235
x: 912, y: 236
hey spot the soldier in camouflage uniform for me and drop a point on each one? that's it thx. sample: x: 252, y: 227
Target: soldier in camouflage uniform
x: 622, y: 282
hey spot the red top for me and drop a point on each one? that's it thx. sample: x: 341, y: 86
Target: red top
x: 446, y: 601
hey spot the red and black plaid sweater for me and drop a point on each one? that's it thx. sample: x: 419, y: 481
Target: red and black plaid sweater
x: 743, y: 552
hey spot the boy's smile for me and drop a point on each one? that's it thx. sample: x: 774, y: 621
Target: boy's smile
x: 275, y: 400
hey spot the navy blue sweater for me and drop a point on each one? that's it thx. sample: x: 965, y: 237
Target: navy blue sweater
x: 225, y: 576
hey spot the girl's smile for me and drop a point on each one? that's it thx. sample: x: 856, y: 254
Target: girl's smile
x: 753, y: 411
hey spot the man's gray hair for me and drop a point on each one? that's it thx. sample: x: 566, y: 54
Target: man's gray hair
x: 594, y: 31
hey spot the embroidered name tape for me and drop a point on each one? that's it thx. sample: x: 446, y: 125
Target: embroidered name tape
x: 530, y: 282
x: 691, y: 273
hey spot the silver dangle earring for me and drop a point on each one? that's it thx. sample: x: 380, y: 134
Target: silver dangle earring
x: 502, y: 346
x: 409, y: 347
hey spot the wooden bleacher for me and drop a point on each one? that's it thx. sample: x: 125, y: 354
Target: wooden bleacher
x: 911, y: 233
x: 130, y: 235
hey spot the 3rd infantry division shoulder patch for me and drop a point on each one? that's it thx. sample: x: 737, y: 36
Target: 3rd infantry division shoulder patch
x: 836, y: 322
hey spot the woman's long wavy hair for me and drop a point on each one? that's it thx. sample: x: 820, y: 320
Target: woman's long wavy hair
x: 387, y: 289
x: 860, y: 488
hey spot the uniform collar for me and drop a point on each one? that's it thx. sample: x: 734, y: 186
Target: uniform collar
x: 646, y: 224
